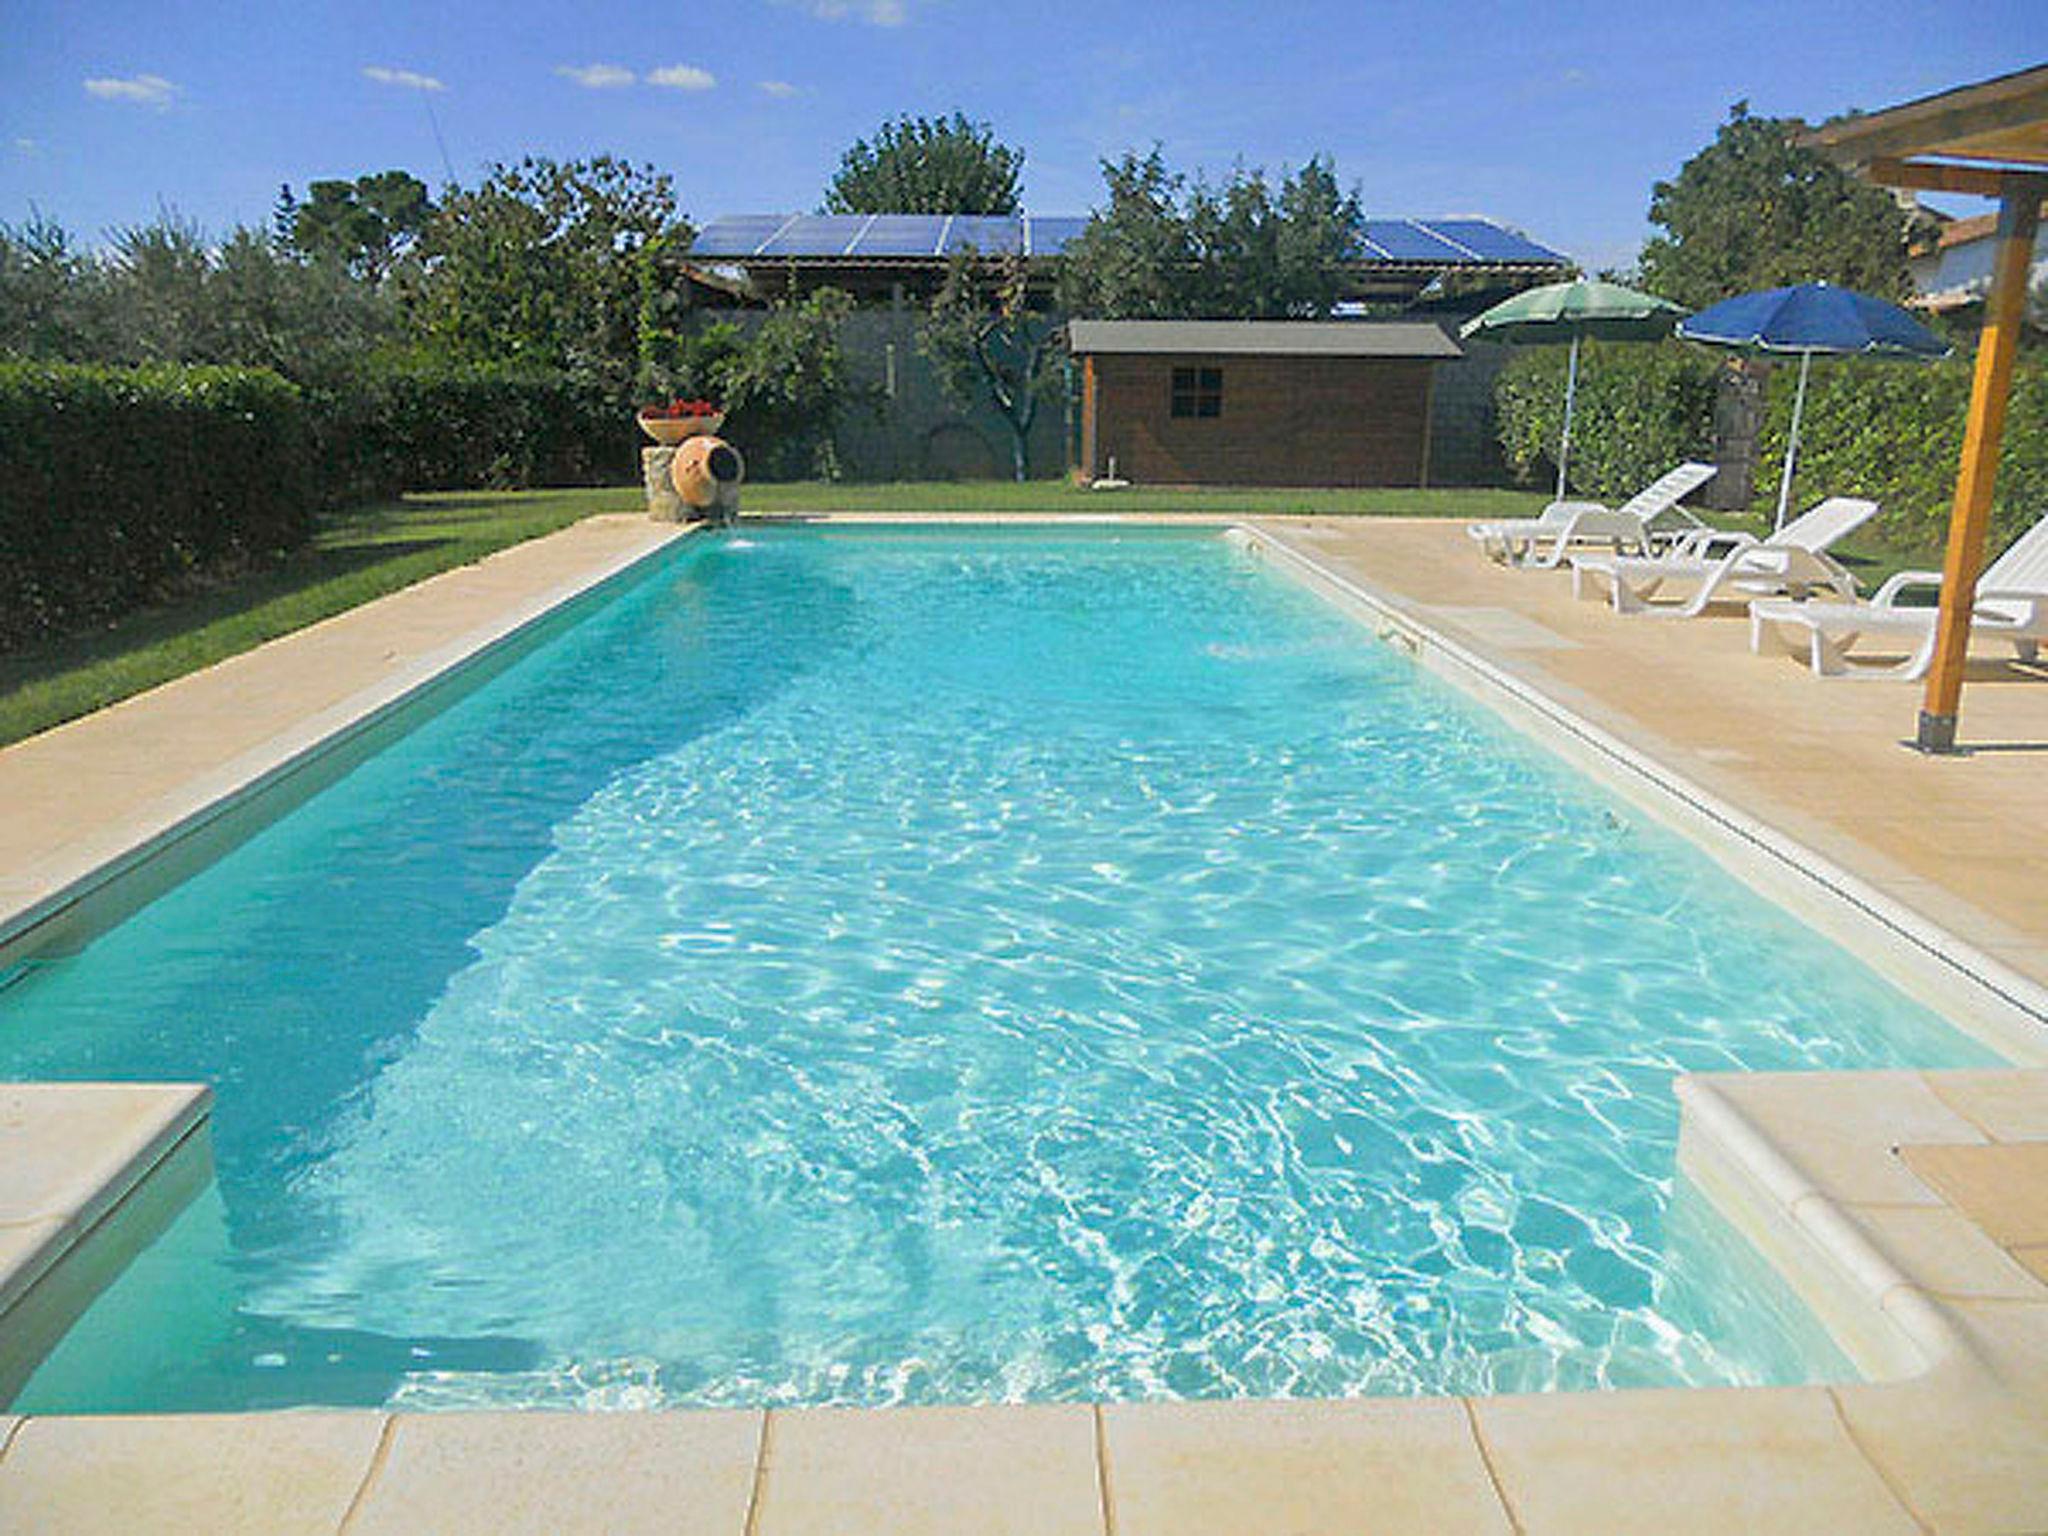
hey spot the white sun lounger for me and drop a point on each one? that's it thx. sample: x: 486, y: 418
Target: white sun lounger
x: 1543, y: 542
x: 2012, y: 604
x: 1793, y: 560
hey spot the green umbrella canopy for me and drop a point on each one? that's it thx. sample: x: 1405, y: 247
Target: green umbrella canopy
x: 1561, y: 312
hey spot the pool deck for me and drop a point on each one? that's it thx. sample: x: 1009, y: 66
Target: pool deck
x: 1910, y: 1209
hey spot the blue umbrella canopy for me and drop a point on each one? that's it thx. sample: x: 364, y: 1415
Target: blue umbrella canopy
x: 1814, y: 318
x: 1811, y: 320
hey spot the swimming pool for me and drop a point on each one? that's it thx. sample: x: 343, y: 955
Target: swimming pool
x: 904, y: 965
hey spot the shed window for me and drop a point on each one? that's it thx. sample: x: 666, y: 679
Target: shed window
x: 1198, y: 391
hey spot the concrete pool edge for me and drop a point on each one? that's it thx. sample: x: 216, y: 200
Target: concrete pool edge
x: 1949, y: 1445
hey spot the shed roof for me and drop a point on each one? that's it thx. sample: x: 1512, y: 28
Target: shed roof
x: 1264, y: 338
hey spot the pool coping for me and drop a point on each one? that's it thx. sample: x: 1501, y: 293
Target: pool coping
x: 1793, y: 1190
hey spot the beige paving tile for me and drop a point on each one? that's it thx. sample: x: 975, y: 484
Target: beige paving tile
x: 1674, y: 1463
x: 1944, y: 1253
x: 496, y: 1474
x: 1965, y: 1458
x: 60, y: 1143
x: 1297, y: 1469
x: 2035, y: 1260
x: 1838, y: 1129
x: 2008, y: 1104
x: 932, y: 1472
x: 2003, y: 1189
x: 266, y: 1474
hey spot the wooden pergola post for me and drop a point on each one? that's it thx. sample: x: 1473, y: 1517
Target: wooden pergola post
x: 1970, y: 516
x: 1987, y: 139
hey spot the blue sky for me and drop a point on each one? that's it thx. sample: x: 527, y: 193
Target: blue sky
x: 1556, y: 119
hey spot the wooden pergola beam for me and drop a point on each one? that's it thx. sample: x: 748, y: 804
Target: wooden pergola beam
x: 1945, y: 176
x: 1946, y: 118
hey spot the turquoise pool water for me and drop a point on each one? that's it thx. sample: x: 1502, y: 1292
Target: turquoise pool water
x: 888, y: 965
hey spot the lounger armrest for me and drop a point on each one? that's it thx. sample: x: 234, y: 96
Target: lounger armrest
x: 1704, y: 542
x: 2032, y: 606
x: 1886, y: 595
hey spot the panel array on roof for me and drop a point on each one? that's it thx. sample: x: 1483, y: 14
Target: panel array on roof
x: 1048, y: 237
x: 1488, y: 240
x: 990, y: 235
x: 900, y: 236
x: 1406, y: 240
x: 897, y: 234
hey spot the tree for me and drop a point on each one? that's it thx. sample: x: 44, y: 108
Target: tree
x: 1755, y: 209
x: 988, y: 342
x: 786, y: 386
x: 1133, y: 260
x: 1160, y: 249
x: 927, y: 165
x: 48, y: 292
x: 544, y: 264
x: 1268, y: 257
x: 367, y: 225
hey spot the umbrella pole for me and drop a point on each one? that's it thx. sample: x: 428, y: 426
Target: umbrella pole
x: 1571, y: 388
x: 1792, y: 443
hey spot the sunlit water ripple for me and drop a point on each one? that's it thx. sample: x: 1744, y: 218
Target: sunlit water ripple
x: 916, y: 968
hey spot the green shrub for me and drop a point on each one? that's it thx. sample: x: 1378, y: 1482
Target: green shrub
x: 115, y: 482
x: 1894, y: 432
x: 392, y: 425
x: 1640, y: 410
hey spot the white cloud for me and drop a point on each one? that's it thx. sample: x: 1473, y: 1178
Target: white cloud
x: 26, y: 146
x: 778, y: 88
x: 142, y: 90
x: 597, y: 77
x: 682, y: 77
x: 412, y: 80
x: 878, y: 13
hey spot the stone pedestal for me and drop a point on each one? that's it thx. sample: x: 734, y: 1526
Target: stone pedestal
x: 663, y: 504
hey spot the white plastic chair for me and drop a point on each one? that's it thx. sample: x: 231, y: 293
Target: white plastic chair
x: 1542, y: 543
x: 1793, y: 560
x: 2011, y: 604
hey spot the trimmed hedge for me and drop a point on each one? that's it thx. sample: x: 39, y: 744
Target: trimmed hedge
x: 1640, y: 409
x: 402, y: 426
x: 1894, y: 432
x: 118, y: 482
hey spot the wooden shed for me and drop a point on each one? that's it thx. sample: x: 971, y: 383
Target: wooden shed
x: 1257, y: 402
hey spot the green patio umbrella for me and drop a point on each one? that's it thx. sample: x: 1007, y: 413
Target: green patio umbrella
x: 1561, y: 312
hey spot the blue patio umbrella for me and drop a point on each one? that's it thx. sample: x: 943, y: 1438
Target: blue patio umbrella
x: 1812, y: 319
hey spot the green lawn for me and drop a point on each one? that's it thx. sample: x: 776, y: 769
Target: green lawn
x: 358, y: 555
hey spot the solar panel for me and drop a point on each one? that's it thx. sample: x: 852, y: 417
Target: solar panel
x: 1490, y: 241
x: 900, y: 234
x: 990, y: 234
x: 816, y: 234
x: 739, y: 236
x: 1405, y: 240
x: 1048, y: 237
x: 1433, y: 242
